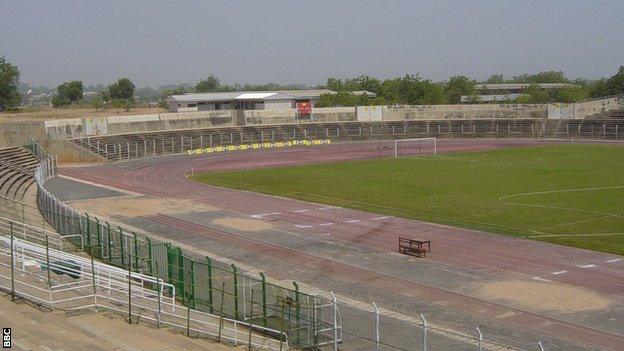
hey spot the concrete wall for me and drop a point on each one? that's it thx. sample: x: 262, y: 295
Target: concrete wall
x: 75, y: 128
x: 260, y: 117
x: 19, y: 133
x: 326, y: 114
x: 438, y: 112
x: 369, y: 113
x: 585, y: 109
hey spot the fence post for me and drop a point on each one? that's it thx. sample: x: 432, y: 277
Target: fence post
x: 264, y: 300
x: 48, y: 265
x: 130, y: 293
x: 424, y: 340
x: 235, y: 276
x: 250, y: 318
x: 158, y: 287
x: 540, y: 345
x: 12, y: 264
x: 335, y: 315
x: 93, y: 279
x: 221, y: 311
x: 210, y: 295
x: 480, y: 340
x: 377, y: 336
x: 121, y: 247
x: 136, y: 251
x: 108, y: 241
x: 150, y: 258
x: 297, y: 308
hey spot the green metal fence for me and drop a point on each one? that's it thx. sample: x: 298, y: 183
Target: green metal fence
x: 203, y: 284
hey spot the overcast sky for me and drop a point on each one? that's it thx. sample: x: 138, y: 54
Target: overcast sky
x: 159, y: 42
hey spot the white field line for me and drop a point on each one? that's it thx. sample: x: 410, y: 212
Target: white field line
x: 302, y: 226
x: 378, y: 218
x: 559, y: 272
x: 542, y: 279
x: 614, y: 260
x: 326, y: 224
x: 327, y: 208
x: 586, y: 265
x: 353, y: 221
x: 300, y: 211
x: 261, y: 215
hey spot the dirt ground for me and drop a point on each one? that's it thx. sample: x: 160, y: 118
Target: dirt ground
x: 543, y: 296
x: 139, y: 206
x: 46, y: 113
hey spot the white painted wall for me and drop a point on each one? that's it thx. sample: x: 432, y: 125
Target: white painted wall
x: 277, y: 104
x: 368, y: 113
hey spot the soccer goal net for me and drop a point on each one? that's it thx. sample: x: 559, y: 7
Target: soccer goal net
x: 415, y: 146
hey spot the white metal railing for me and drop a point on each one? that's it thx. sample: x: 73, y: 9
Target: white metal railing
x: 62, y: 280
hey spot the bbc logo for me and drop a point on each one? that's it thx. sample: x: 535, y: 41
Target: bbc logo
x: 6, y: 338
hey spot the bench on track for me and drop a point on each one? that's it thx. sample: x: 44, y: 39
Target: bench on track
x: 414, y: 247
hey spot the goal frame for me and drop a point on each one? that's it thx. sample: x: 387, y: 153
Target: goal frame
x: 397, y: 141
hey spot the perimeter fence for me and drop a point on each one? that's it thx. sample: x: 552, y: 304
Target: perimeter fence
x: 35, y: 265
x: 202, y: 284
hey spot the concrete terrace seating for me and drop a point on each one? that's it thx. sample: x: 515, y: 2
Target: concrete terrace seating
x: 126, y: 146
x: 17, y: 166
x: 602, y: 129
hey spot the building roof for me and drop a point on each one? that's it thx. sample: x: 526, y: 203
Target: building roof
x: 511, y: 86
x: 251, y: 95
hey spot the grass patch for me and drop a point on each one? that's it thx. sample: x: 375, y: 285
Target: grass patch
x: 565, y: 194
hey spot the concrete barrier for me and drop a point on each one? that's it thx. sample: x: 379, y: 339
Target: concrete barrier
x: 454, y: 112
x: 580, y: 110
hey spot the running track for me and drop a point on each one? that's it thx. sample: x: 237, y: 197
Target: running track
x: 461, y: 248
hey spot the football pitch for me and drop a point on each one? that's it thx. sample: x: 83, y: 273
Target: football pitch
x: 565, y: 194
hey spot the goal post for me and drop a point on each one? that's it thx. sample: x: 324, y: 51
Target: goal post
x: 415, y: 146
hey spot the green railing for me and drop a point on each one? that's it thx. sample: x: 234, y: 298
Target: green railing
x: 203, y: 284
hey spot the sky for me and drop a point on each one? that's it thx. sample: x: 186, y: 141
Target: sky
x: 303, y: 42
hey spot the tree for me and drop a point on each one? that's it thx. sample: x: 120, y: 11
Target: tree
x: 542, y: 77
x: 458, y: 86
x: 209, y: 84
x: 167, y: 92
x: 60, y: 100
x: 495, y: 79
x: 123, y: 89
x: 98, y: 102
x: 9, y: 79
x: 68, y: 93
x: 615, y: 84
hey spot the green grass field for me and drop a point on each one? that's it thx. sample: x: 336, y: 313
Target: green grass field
x: 567, y: 194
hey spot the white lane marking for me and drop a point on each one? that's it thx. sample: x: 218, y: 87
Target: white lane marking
x: 378, y: 218
x: 614, y: 260
x: 326, y: 208
x: 326, y: 224
x: 302, y: 226
x: 559, y: 272
x: 586, y: 265
x: 353, y: 221
x: 260, y: 215
x: 328, y: 234
x: 542, y: 279
x: 299, y: 211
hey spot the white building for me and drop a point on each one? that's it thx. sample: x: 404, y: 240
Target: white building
x: 245, y: 100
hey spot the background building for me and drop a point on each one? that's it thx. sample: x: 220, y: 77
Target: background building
x: 245, y: 100
x: 505, y: 91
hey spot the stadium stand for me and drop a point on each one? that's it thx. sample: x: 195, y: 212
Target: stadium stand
x: 17, y: 166
x: 126, y: 146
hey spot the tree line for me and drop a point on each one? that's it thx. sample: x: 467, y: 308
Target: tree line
x: 407, y: 90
